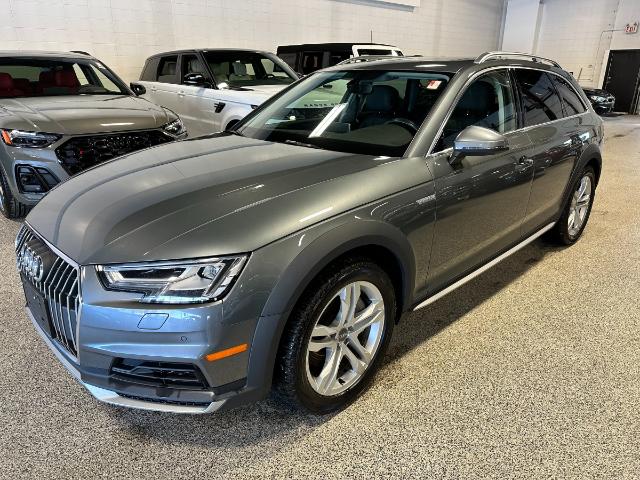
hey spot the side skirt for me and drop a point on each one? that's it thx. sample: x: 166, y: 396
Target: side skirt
x: 484, y: 268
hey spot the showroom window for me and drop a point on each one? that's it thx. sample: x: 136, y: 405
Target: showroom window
x: 488, y: 102
x: 570, y: 99
x: 167, y: 69
x: 540, y: 101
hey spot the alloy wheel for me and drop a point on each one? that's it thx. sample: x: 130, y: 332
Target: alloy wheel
x: 345, y: 338
x: 3, y: 198
x: 579, y: 206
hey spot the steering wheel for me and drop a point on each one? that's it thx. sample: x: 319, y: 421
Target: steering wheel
x: 406, y: 123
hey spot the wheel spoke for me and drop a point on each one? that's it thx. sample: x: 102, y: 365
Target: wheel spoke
x: 572, y: 219
x: 358, y: 364
x: 317, y: 345
x: 363, y: 321
x: 349, y: 297
x: 363, y: 353
x: 329, y: 374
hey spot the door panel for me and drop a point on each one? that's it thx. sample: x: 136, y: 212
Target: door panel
x: 622, y: 77
x: 480, y: 207
x: 556, y: 148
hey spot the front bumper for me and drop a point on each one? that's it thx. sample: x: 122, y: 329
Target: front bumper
x: 113, y: 398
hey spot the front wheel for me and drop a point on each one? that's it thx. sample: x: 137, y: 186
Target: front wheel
x: 336, y: 337
x: 10, y: 207
x: 577, y: 209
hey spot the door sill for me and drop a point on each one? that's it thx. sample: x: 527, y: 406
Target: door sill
x: 484, y: 268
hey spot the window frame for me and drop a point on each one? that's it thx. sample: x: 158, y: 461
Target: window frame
x: 470, y: 80
x: 205, y: 72
x: 163, y: 58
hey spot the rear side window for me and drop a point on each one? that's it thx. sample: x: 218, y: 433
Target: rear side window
x: 167, y: 69
x: 572, y: 103
x: 540, y: 101
x: 150, y: 68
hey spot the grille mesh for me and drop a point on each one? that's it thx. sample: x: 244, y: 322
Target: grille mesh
x: 79, y: 153
x: 60, y: 287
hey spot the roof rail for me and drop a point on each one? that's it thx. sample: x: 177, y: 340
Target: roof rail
x: 370, y: 58
x: 514, y: 55
x: 81, y: 52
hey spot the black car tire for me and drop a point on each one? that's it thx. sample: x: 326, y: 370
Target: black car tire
x: 561, y: 233
x: 9, y: 206
x: 292, y: 384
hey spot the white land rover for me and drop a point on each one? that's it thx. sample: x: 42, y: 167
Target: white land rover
x: 212, y: 89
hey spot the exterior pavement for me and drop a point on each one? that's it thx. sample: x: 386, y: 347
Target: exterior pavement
x: 531, y: 370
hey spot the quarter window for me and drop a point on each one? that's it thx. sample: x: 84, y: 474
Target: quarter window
x: 488, y: 102
x: 570, y: 99
x: 167, y: 69
x: 540, y: 102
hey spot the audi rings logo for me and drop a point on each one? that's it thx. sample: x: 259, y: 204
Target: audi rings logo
x: 31, y: 264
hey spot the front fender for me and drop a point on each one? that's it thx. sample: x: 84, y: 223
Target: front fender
x: 331, y: 243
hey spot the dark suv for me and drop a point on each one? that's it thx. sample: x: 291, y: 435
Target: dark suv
x: 195, y: 275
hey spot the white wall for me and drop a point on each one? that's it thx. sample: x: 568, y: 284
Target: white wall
x: 578, y: 34
x: 124, y: 32
x: 574, y: 34
x: 521, y: 26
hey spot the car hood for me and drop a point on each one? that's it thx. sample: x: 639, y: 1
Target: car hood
x: 215, y: 195
x: 81, y: 114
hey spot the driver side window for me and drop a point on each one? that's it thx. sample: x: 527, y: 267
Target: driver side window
x: 488, y: 102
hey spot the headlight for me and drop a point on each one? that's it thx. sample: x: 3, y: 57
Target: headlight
x: 597, y: 98
x: 20, y: 138
x: 189, y: 281
x: 175, y: 128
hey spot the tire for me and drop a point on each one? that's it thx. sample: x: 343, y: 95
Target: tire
x: 299, y: 369
x: 9, y: 206
x: 572, y: 221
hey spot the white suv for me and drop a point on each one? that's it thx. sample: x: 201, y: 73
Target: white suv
x: 212, y: 89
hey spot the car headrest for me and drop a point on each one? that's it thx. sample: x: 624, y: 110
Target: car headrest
x: 66, y: 78
x: 6, y: 81
x: 383, y: 98
x: 477, y: 97
x: 46, y: 78
x: 239, y: 68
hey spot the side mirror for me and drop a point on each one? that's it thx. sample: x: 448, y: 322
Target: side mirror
x: 476, y: 141
x: 195, y: 80
x: 137, y: 88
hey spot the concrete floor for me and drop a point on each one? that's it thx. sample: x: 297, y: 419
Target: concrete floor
x: 532, y: 370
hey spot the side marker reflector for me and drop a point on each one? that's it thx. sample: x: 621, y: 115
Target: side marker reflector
x: 212, y: 357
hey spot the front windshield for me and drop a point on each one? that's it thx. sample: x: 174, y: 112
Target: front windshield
x: 357, y: 111
x: 246, y: 69
x: 39, y: 77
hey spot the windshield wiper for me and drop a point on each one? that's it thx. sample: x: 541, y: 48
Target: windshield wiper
x: 234, y: 132
x: 302, y: 144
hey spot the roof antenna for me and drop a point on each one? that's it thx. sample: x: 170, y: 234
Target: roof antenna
x: 371, y: 36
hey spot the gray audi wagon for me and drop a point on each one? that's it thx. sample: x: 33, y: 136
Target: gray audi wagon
x: 280, y: 255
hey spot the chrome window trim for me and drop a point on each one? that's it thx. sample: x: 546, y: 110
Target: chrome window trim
x: 470, y: 80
